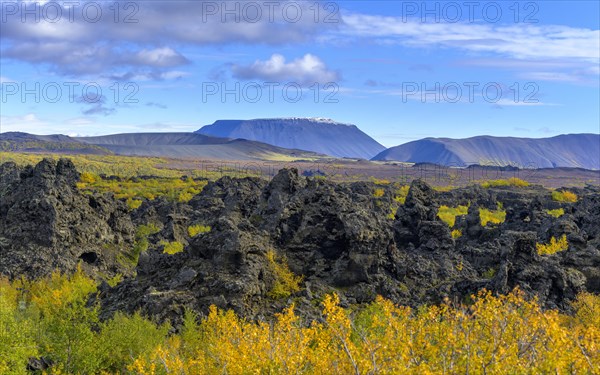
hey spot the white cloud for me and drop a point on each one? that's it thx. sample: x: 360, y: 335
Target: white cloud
x: 27, y: 123
x: 160, y: 57
x: 305, y: 70
x: 520, y: 41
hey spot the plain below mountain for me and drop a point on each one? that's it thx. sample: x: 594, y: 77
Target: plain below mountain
x: 324, y: 136
x: 570, y: 150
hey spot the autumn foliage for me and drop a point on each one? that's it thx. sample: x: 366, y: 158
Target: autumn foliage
x: 54, y: 318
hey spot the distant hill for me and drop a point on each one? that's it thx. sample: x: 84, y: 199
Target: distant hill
x: 570, y: 150
x: 25, y: 142
x: 192, y: 145
x: 318, y: 135
x: 174, y: 145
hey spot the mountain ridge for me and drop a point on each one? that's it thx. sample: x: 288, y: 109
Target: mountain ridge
x: 565, y: 150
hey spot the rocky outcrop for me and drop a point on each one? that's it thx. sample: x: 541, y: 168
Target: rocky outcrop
x: 46, y: 224
x: 339, y: 237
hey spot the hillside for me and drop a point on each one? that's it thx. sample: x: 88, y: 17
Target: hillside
x: 570, y: 150
x: 318, y: 135
x: 24, y: 142
x: 174, y: 145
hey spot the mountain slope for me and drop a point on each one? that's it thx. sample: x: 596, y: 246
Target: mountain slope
x: 318, y: 135
x: 570, y: 150
x: 191, y: 145
x: 25, y: 142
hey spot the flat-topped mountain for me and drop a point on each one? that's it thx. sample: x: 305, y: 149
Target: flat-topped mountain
x: 324, y: 136
x: 569, y: 150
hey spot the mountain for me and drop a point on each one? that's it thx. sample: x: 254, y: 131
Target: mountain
x: 569, y: 150
x: 25, y: 142
x: 192, y: 145
x: 312, y: 134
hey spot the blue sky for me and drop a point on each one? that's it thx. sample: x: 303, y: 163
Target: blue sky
x: 399, y: 70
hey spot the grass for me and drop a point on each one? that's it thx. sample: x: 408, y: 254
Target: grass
x: 448, y: 214
x: 554, y: 246
x: 556, y: 213
x: 564, y: 196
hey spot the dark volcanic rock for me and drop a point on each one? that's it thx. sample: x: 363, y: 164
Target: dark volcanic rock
x: 47, y: 224
x: 338, y: 237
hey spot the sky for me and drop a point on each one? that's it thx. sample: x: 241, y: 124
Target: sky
x: 399, y: 70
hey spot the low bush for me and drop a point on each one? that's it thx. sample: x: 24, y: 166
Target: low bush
x: 564, y: 196
x: 172, y: 247
x: 554, y: 246
x: 513, y: 181
x: 286, y: 282
x: 194, y: 230
x: 448, y: 214
x: 492, y: 216
x: 556, y: 213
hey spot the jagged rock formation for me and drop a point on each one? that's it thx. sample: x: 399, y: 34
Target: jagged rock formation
x: 337, y: 236
x: 47, y: 224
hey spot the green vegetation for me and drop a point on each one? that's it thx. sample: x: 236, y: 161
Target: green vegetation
x: 171, y: 247
x: 133, y: 189
x: 492, y: 216
x: 564, y: 196
x: 513, y: 181
x: 133, y: 204
x: 448, y: 214
x: 491, y: 272
x: 286, y: 282
x: 556, y: 213
x: 141, y: 243
x: 194, y: 230
x: 554, y: 246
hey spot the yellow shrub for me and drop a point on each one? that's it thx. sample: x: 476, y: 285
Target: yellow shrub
x: 194, y: 230
x: 378, y: 193
x: 286, y: 282
x: 554, y: 246
x: 172, y: 247
x: 401, y: 193
x: 448, y: 214
x: 456, y: 233
x: 556, y: 213
x: 564, y: 196
x: 492, y: 216
x: 133, y: 204
x: 88, y: 178
x: 513, y: 181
